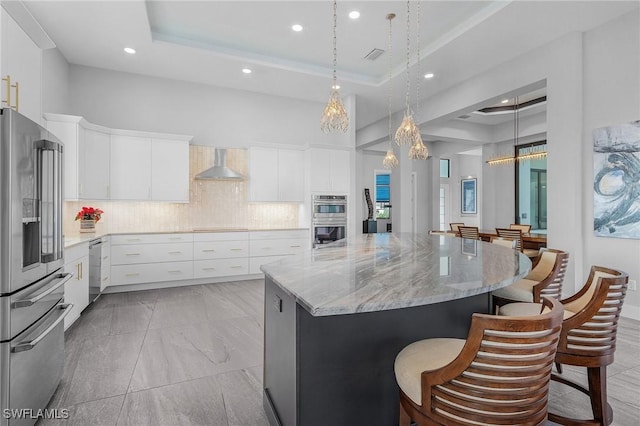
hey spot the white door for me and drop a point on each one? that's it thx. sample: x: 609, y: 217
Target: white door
x: 445, y: 207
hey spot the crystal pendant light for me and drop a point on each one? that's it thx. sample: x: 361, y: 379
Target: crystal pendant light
x: 406, y: 133
x: 418, y: 150
x: 334, y: 117
x: 390, y: 161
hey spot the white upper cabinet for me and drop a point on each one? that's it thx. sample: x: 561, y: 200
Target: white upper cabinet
x: 170, y: 170
x: 276, y: 175
x: 94, y: 165
x: 290, y: 175
x: 21, y: 70
x: 130, y: 168
x: 106, y: 164
x: 329, y: 170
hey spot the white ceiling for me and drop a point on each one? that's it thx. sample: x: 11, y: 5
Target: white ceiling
x: 211, y: 41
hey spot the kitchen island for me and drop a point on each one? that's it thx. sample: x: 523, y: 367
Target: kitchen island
x: 335, y: 319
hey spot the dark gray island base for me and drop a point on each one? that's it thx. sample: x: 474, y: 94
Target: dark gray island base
x: 336, y: 318
x: 338, y: 370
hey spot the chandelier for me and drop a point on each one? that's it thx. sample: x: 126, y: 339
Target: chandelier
x: 418, y: 150
x: 406, y: 133
x: 390, y: 161
x: 334, y: 117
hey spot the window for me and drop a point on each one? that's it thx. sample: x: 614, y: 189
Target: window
x: 383, y: 196
x: 442, y: 223
x: 531, y: 187
x: 445, y: 171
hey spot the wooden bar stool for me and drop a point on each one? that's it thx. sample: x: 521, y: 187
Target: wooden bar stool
x: 545, y: 279
x: 588, y: 337
x: 498, y: 375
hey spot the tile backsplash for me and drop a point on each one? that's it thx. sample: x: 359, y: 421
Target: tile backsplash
x: 213, y: 204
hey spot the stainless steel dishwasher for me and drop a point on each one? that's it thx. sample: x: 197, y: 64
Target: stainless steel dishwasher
x: 95, y: 269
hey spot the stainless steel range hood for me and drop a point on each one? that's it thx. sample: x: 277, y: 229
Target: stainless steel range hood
x: 219, y: 171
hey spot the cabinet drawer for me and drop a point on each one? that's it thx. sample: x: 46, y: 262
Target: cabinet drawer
x: 151, y: 272
x: 185, y: 237
x: 220, y: 249
x: 256, y: 262
x: 220, y: 267
x: 272, y: 235
x: 220, y: 236
x: 151, y: 253
x: 278, y: 247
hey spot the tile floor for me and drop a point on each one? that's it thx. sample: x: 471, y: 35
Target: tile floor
x: 193, y: 356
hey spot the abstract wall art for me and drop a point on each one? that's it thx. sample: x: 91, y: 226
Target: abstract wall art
x: 468, y: 202
x: 616, y: 182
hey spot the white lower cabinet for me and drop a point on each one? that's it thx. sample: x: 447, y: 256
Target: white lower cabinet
x: 76, y: 290
x: 220, y: 254
x: 271, y: 246
x: 148, y: 258
x: 151, y: 272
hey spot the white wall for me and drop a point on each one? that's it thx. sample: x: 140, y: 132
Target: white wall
x: 463, y: 167
x: 611, y: 96
x: 213, y: 115
x: 55, y: 82
x: 498, y: 190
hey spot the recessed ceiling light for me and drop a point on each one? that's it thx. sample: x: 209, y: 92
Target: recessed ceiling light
x: 429, y: 75
x: 504, y: 101
x: 296, y: 27
x: 246, y: 70
x: 130, y: 50
x: 354, y: 14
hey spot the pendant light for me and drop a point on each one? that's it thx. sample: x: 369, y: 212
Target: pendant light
x: 509, y: 158
x: 390, y: 161
x: 406, y: 133
x: 418, y: 150
x: 334, y: 117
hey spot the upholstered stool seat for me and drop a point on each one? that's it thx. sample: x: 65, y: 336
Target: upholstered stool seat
x: 423, y: 355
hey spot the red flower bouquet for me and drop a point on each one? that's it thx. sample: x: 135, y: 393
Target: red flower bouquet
x: 89, y: 213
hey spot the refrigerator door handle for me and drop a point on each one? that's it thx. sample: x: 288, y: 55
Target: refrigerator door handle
x: 27, y: 345
x: 61, y: 280
x: 50, y: 198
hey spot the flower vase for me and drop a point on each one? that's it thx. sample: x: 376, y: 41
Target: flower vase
x: 87, y: 225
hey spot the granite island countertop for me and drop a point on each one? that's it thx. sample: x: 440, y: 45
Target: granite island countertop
x: 376, y: 272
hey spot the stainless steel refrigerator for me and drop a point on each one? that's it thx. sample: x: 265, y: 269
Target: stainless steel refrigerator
x: 32, y: 305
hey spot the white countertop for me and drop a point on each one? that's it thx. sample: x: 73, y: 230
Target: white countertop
x: 77, y: 238
x: 376, y: 272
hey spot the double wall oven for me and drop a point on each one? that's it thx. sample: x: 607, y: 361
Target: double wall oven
x: 329, y: 220
x: 32, y: 305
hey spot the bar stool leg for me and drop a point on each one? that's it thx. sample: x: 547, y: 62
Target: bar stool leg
x: 404, y: 420
x: 597, y: 377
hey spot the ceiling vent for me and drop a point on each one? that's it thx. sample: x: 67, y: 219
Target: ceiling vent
x: 464, y: 117
x: 374, y: 54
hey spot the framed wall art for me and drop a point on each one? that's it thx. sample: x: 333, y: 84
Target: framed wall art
x: 469, y: 193
x: 616, y: 181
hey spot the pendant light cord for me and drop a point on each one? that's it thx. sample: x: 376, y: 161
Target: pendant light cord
x: 335, y: 44
x: 408, y: 51
x: 390, y: 18
x: 418, y: 59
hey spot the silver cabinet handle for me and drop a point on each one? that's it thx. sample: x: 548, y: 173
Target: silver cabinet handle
x: 105, y: 257
x: 61, y: 280
x: 135, y: 274
x: 236, y: 249
x: 30, y: 344
x: 208, y: 269
x: 267, y: 248
x: 175, y: 272
x: 294, y: 246
x: 208, y: 251
x: 175, y: 252
x: 133, y: 239
x: 236, y: 267
x: 105, y: 278
x: 132, y: 254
